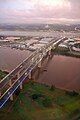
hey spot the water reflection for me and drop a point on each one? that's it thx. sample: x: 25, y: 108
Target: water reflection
x: 62, y: 71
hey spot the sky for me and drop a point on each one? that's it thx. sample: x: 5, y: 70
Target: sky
x: 39, y: 11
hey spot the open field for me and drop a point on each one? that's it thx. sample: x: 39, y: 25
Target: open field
x: 41, y: 102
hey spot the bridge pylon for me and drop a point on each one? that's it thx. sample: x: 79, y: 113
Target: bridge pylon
x: 0, y: 93
x: 11, y: 97
x: 16, y: 77
x: 40, y: 64
x: 21, y: 86
x: 10, y: 84
x: 30, y: 75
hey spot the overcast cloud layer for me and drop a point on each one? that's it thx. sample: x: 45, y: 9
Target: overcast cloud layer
x: 39, y: 11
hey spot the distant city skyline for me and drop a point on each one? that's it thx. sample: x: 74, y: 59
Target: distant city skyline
x: 40, y: 11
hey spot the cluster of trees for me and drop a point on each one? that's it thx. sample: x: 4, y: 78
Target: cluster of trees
x: 46, y: 101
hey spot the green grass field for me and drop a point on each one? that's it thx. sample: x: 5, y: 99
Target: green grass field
x: 61, y: 107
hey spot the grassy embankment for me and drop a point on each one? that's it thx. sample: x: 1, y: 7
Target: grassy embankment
x: 2, y: 74
x: 65, y: 52
x: 41, y: 102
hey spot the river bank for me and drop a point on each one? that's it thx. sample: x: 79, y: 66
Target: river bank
x: 3, y: 74
x: 41, y: 102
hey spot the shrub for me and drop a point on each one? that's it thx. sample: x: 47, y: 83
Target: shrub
x: 47, y: 102
x: 36, y: 96
x: 72, y: 93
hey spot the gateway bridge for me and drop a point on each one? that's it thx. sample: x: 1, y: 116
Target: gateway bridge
x: 15, y: 78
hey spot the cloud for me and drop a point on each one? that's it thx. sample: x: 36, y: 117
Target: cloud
x: 39, y: 10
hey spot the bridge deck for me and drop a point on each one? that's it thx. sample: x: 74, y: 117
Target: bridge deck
x: 23, y: 71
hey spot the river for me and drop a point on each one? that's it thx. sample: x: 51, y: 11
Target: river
x: 61, y: 71
x: 10, y: 58
x: 39, y: 33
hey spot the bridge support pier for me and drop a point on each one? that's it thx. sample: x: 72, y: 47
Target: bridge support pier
x: 21, y: 86
x: 18, y: 74
x: 0, y: 93
x: 11, y: 97
x: 10, y: 83
x: 49, y: 53
x: 39, y: 65
x: 30, y: 75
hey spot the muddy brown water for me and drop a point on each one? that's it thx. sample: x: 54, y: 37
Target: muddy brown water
x: 61, y: 71
x: 10, y: 58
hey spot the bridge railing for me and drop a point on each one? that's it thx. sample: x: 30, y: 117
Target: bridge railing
x: 17, y: 82
x: 6, y: 79
x: 37, y: 55
x: 13, y: 73
x: 20, y: 67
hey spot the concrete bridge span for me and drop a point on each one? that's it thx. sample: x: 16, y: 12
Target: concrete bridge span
x: 15, y: 78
